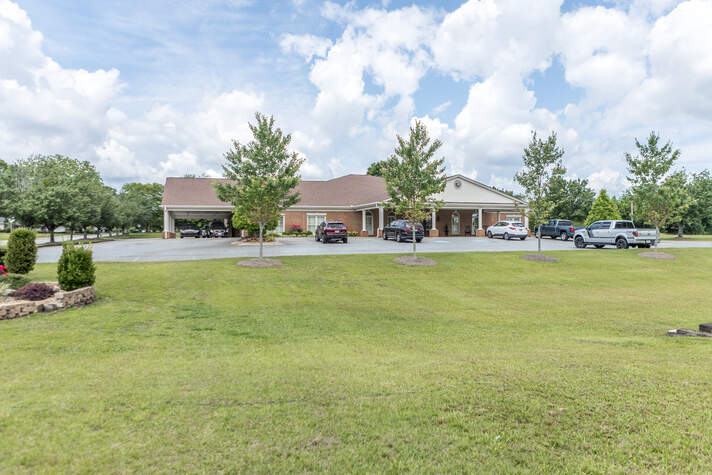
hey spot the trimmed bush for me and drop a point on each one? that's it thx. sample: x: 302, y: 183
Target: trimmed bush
x: 21, y: 251
x: 34, y: 291
x: 76, y: 267
x: 15, y: 280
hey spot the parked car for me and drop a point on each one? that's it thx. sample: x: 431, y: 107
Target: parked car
x: 401, y: 230
x: 217, y: 230
x: 508, y: 230
x: 190, y: 232
x: 620, y: 233
x: 558, y: 228
x: 205, y: 232
x: 331, y: 231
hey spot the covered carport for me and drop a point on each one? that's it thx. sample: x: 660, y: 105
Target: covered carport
x: 193, y: 198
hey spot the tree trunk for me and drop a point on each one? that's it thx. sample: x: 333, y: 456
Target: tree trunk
x: 414, y: 255
x: 261, y: 227
x: 538, y: 240
x: 657, y: 237
x: 71, y: 234
x: 679, y: 229
x: 85, y: 234
x: 51, y: 234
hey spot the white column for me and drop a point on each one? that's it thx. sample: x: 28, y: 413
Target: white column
x: 363, y: 220
x: 166, y: 222
x: 433, y: 225
x: 526, y: 220
x: 380, y: 220
x: 479, y: 218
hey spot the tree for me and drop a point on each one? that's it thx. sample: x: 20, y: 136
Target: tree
x: 108, y: 217
x: 603, y: 208
x: 376, y: 168
x: 141, y: 205
x: 53, y: 190
x: 264, y: 176
x: 413, y: 176
x: 572, y: 198
x: 659, y: 196
x: 697, y: 219
x: 542, y: 166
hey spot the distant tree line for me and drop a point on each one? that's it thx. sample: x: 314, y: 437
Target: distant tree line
x: 49, y: 191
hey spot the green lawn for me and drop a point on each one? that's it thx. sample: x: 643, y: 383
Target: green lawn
x: 355, y: 364
x: 687, y: 237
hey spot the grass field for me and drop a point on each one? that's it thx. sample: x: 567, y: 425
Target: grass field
x: 78, y: 237
x: 355, y: 364
x: 687, y: 237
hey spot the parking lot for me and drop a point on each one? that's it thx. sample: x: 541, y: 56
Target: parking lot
x: 147, y: 250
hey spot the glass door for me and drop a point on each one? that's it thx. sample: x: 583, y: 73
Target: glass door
x: 455, y: 223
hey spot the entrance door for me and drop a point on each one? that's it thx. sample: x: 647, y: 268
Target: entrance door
x: 475, y: 222
x: 455, y: 223
x: 369, y: 223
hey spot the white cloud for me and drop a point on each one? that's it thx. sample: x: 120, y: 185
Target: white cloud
x: 308, y: 46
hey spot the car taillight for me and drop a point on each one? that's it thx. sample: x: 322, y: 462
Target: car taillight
x: 571, y: 229
x: 512, y: 228
x: 635, y: 233
x: 406, y: 229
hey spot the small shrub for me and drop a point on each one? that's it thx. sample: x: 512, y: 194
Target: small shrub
x: 3, y: 251
x: 76, y: 267
x: 295, y: 228
x: 15, y: 280
x: 34, y: 291
x: 21, y: 251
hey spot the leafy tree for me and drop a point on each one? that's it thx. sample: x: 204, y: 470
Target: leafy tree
x: 542, y: 166
x: 572, y: 198
x: 603, y: 208
x: 141, y: 205
x: 108, y: 217
x: 376, y: 168
x: 659, y: 196
x: 264, y: 176
x: 413, y: 176
x: 697, y: 219
x: 53, y: 190
x: 5, y: 189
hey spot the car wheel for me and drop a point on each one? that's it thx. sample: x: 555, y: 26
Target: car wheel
x: 506, y: 236
x: 599, y: 246
x: 621, y: 243
x: 182, y: 237
x: 418, y: 240
x: 579, y: 242
x: 324, y: 240
x: 346, y: 240
x: 564, y: 236
x: 523, y: 238
x: 489, y: 234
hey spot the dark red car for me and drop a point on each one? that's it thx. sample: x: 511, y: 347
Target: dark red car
x: 331, y: 231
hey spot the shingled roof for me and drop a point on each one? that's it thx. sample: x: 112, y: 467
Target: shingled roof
x: 348, y: 190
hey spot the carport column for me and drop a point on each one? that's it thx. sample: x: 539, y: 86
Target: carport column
x: 380, y: 221
x: 364, y: 232
x: 434, y: 224
x: 168, y: 225
x: 480, y: 230
x: 526, y: 221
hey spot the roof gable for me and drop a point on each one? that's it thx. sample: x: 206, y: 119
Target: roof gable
x: 471, y: 191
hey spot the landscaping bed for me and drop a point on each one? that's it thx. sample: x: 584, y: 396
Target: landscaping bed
x: 11, y: 307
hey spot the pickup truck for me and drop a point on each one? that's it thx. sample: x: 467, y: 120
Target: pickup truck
x: 561, y: 228
x: 620, y: 233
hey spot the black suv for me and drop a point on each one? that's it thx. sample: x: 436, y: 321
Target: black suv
x: 331, y: 231
x: 402, y: 230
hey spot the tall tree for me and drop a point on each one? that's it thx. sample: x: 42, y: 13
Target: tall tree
x: 542, y: 166
x: 53, y: 190
x: 264, y: 176
x: 697, y: 219
x: 414, y: 176
x: 603, y: 208
x: 659, y: 196
x: 142, y: 204
x: 572, y: 198
x: 376, y: 168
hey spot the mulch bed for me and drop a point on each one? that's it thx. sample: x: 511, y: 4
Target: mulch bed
x: 539, y: 258
x: 657, y: 255
x: 260, y: 263
x: 415, y: 261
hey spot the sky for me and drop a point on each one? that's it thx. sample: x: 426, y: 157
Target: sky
x: 150, y: 89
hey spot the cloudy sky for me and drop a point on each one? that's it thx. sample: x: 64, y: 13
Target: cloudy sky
x: 149, y: 89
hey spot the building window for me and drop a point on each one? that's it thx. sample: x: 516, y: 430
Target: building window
x: 516, y: 218
x: 475, y: 221
x: 455, y: 223
x: 369, y: 222
x: 391, y: 218
x: 280, y: 225
x: 314, y: 220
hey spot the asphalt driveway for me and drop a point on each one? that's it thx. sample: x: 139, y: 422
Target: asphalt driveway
x: 147, y: 250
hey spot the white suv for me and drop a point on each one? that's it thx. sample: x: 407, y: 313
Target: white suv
x: 508, y: 230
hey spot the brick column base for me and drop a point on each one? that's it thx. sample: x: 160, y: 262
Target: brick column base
x: 434, y: 233
x: 480, y: 233
x: 167, y: 235
x: 364, y: 233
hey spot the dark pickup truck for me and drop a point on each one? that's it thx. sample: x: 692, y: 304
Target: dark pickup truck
x: 558, y: 228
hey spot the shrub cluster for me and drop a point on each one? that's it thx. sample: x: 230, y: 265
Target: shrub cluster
x: 3, y: 251
x: 15, y: 280
x: 21, y: 251
x: 76, y: 267
x: 34, y: 291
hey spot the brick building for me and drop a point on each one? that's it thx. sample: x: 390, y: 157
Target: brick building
x: 356, y: 200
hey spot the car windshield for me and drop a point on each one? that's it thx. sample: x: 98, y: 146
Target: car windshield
x: 519, y: 225
x: 335, y: 225
x: 565, y: 223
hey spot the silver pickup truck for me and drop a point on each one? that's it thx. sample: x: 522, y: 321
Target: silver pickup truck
x: 619, y: 233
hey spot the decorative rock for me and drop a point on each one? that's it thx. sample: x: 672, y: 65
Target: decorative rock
x: 706, y: 327
x: 686, y: 332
